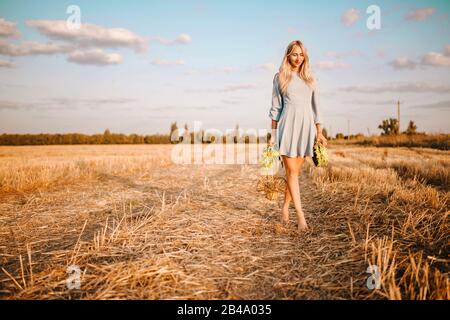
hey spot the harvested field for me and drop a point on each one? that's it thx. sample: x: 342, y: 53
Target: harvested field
x: 139, y: 226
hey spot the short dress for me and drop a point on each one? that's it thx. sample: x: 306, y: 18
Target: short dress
x: 297, y: 112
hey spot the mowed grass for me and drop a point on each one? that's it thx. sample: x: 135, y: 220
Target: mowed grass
x: 139, y: 226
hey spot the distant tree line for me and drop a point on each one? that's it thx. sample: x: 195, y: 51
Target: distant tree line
x: 236, y: 136
x: 388, y: 127
x: 175, y: 136
x: 77, y: 138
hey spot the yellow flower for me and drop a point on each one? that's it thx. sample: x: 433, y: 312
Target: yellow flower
x: 269, y: 156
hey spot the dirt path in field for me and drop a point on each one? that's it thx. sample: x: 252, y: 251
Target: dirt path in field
x: 212, y: 229
x: 260, y: 258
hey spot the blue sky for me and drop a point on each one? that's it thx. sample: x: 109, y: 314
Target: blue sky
x: 214, y: 61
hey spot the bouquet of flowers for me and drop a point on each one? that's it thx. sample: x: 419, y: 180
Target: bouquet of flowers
x: 320, y: 155
x: 268, y: 183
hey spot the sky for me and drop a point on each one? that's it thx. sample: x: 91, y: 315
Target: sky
x: 137, y: 66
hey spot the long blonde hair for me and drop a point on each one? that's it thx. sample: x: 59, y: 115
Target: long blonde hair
x: 285, y: 72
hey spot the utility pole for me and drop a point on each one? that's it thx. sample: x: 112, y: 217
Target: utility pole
x: 398, y: 115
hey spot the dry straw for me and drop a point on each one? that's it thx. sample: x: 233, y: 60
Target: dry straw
x: 151, y: 238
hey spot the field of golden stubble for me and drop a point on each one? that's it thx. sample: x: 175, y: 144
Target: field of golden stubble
x: 140, y: 226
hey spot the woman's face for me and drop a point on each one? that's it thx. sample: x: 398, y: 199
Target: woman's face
x: 296, y: 57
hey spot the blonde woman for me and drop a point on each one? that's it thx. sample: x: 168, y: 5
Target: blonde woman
x: 296, y: 122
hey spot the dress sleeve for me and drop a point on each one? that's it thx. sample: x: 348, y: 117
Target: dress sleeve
x: 316, y: 107
x: 277, y: 100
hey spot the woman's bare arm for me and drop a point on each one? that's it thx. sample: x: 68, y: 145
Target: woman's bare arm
x: 274, y: 124
x: 318, y: 128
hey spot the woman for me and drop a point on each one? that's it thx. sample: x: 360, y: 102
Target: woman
x: 296, y: 122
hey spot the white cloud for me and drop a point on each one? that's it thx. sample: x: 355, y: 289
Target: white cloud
x: 238, y: 87
x: 419, y: 14
x: 266, y: 66
x: 350, y: 17
x: 230, y: 88
x: 89, y: 35
x: 75, y: 102
x: 65, y: 103
x: 442, y: 105
x: 8, y: 29
x: 436, y: 59
x: 160, y: 62
x: 371, y: 102
x: 6, y: 64
x: 94, y: 57
x: 84, y: 44
x: 183, y: 38
x: 403, y: 63
x: 181, y: 108
x: 447, y: 50
x: 346, y: 54
x: 225, y: 69
x: 13, y: 105
x: 32, y: 48
x: 400, y: 87
x: 331, y: 65
x: 212, y: 70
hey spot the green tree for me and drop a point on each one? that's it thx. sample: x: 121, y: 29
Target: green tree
x: 412, y: 128
x: 107, y: 137
x: 389, y: 126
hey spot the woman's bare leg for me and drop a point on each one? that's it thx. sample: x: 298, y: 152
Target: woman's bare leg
x: 300, y: 215
x: 293, y: 166
x: 287, y: 201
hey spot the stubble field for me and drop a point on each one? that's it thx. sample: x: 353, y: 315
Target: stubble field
x: 139, y: 226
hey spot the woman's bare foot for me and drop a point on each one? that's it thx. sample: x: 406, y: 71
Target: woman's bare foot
x: 303, y: 228
x: 285, y: 216
x: 302, y: 225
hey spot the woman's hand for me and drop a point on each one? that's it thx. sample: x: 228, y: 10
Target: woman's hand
x: 271, y: 141
x: 273, y: 137
x: 321, y: 139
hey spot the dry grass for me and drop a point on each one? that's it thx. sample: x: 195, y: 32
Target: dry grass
x: 404, y: 215
x: 436, y: 141
x: 141, y: 227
